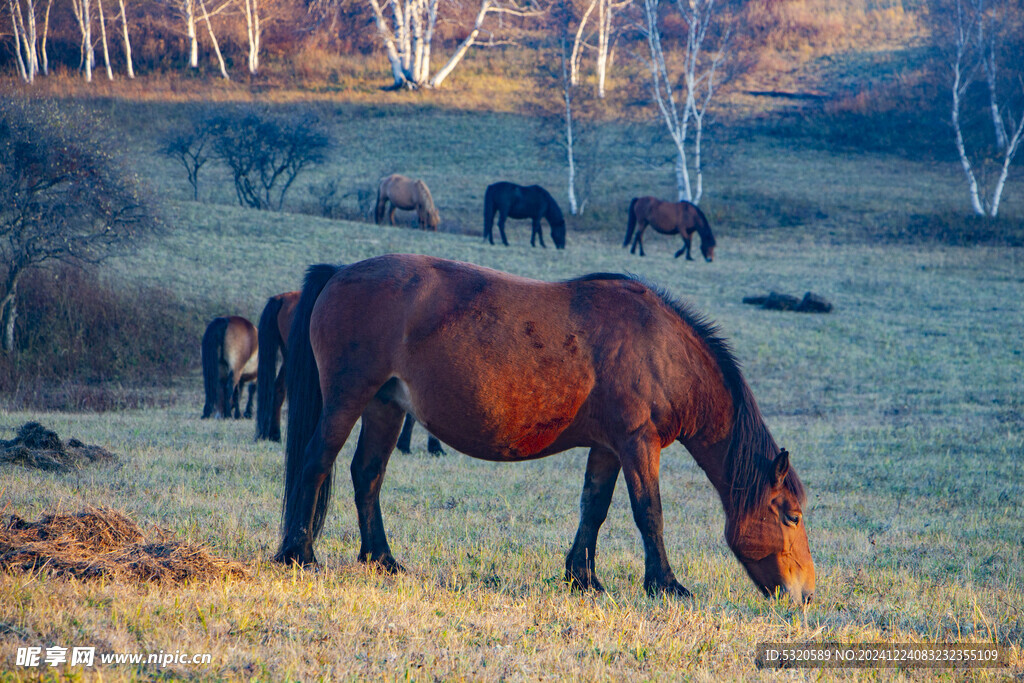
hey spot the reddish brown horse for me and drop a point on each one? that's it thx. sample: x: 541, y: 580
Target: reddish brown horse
x: 229, y: 351
x: 275, y: 321
x: 669, y: 218
x: 504, y: 368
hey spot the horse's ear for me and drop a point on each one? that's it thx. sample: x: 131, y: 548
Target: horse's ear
x: 780, y: 468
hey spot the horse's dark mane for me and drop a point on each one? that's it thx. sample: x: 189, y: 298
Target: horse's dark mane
x: 752, y: 448
x: 707, y: 238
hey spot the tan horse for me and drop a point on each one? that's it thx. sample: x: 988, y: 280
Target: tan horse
x: 408, y: 194
x: 229, y: 352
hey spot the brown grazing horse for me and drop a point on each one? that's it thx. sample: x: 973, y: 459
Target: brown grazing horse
x: 275, y: 321
x: 229, y: 352
x: 406, y: 193
x: 669, y: 218
x: 507, y: 369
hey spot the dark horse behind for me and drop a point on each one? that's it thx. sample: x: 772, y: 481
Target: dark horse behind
x: 509, y: 200
x: 272, y: 331
x: 669, y: 218
x: 274, y: 326
x: 508, y: 369
x: 229, y: 352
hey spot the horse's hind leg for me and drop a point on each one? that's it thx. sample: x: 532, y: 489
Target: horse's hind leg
x: 640, y: 458
x: 381, y: 424
x: 434, y: 445
x: 279, y: 392
x: 248, y: 406
x: 405, y: 438
x: 598, y: 486
x: 378, y: 211
x: 391, y: 214
x: 638, y: 240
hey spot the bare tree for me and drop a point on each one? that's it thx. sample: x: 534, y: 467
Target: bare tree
x: 191, y: 150
x: 979, y: 32
x: 266, y: 154
x: 408, y: 37
x: 62, y: 198
x: 683, y: 101
x: 26, y: 38
x: 103, y: 40
x: 606, y: 33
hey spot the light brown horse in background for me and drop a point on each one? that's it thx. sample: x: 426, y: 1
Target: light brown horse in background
x: 509, y: 369
x: 411, y: 195
x: 275, y: 321
x: 669, y: 218
x: 229, y: 351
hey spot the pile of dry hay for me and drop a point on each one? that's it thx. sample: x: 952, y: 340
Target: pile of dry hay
x: 36, y: 446
x: 100, y: 542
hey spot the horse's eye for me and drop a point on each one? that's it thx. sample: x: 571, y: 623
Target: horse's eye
x: 792, y: 519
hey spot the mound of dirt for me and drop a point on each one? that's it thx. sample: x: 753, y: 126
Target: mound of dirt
x: 41, y: 448
x: 811, y: 303
x: 99, y: 542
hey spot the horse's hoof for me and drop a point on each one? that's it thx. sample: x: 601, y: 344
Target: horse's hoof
x: 672, y: 589
x: 386, y: 564
x: 582, y: 583
x: 297, y: 557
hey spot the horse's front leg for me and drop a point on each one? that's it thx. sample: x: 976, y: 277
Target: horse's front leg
x: 598, y: 486
x: 538, y: 233
x: 381, y: 425
x: 640, y: 459
x: 685, y: 249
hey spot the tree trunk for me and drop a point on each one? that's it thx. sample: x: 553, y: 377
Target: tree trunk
x: 9, y: 309
x: 103, y: 39
x: 570, y: 157
x: 127, y: 41
x: 213, y: 39
x: 577, y: 45
x: 460, y: 51
x: 189, y: 10
x: 17, y: 45
x: 46, y: 32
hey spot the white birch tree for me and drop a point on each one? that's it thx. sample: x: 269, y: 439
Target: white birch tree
x: 975, y: 57
x: 682, y: 101
x: 406, y: 28
x: 129, y: 65
x: 103, y: 40
x: 253, y: 29
x: 83, y: 15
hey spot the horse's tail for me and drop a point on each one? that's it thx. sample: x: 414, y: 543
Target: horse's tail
x: 269, y: 335
x: 489, y: 212
x: 304, y: 400
x: 378, y: 210
x: 631, y: 223
x: 213, y: 341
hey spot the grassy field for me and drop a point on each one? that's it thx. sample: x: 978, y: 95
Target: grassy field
x: 903, y: 410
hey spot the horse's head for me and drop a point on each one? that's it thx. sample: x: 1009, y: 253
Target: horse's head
x: 558, y: 234
x: 770, y: 539
x: 425, y: 209
x: 708, y: 250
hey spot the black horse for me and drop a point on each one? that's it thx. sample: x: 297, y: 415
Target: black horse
x: 518, y: 201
